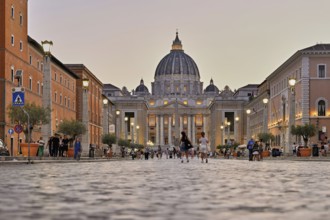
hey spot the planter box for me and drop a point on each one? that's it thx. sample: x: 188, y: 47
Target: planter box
x: 265, y: 153
x: 304, y: 152
x: 33, y: 149
x: 70, y: 152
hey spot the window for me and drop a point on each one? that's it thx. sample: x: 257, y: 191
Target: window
x: 68, y: 102
x: 42, y: 66
x: 12, y: 40
x: 61, y: 78
x: 12, y: 11
x: 20, y: 19
x: 38, y: 64
x: 321, y: 71
x: 12, y: 74
x: 30, y: 83
x: 55, y: 97
x: 61, y: 99
x: 55, y: 76
x: 21, y: 46
x: 42, y: 88
x: 65, y: 101
x: 321, y: 108
x: 30, y: 61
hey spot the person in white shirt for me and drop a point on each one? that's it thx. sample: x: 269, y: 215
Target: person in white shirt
x: 203, y: 147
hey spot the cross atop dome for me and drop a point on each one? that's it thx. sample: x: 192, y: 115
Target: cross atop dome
x: 177, y: 42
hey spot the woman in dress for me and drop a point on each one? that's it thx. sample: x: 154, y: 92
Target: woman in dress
x: 184, y: 142
x: 203, y: 147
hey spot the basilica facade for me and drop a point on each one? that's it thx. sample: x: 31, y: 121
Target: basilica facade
x: 178, y: 102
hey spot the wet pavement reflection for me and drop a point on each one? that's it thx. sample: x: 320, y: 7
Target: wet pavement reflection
x: 166, y: 189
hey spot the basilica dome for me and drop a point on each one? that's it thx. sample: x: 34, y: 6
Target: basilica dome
x: 177, y: 62
x: 177, y: 74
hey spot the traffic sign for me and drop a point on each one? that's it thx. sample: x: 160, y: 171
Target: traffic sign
x: 18, y: 96
x: 10, y: 131
x: 18, y: 129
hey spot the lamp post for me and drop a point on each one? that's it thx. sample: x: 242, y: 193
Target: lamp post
x: 46, y: 129
x: 292, y: 118
x: 85, y: 106
x: 132, y: 132
x: 265, y: 115
x: 117, y: 125
x: 222, y: 135
x: 137, y: 133
x: 248, y: 135
x: 126, y: 120
x: 228, y: 125
x: 236, y: 129
x: 105, y: 116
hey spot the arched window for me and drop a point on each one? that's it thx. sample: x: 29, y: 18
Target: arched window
x: 321, y: 108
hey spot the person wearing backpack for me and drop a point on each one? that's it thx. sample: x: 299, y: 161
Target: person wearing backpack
x: 250, y: 145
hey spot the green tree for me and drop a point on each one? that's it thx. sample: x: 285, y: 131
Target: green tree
x: 72, y: 127
x: 124, y: 143
x: 266, y: 137
x: 109, y: 139
x: 38, y: 116
x: 306, y: 131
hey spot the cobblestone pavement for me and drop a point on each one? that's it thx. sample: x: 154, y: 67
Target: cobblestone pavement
x: 166, y: 189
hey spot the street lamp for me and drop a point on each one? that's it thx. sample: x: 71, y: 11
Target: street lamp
x: 137, y: 133
x: 126, y: 120
x: 46, y: 45
x: 265, y: 115
x: 248, y: 112
x: 46, y: 129
x: 117, y: 124
x: 222, y: 134
x: 85, y: 83
x: 132, y: 132
x: 85, y: 116
x: 228, y: 125
x: 237, y: 130
x: 292, y: 118
x: 105, y: 115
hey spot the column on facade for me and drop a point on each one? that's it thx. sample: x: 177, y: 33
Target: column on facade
x: 193, y: 130
x: 189, y: 127
x: 162, y: 130
x: 157, y: 130
x: 146, y: 132
x: 170, y: 130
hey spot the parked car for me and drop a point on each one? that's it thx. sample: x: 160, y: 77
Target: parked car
x: 3, y: 149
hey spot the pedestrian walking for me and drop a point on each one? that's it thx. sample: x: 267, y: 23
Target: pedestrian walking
x: 250, y: 145
x: 65, y: 144
x: 77, y: 149
x: 294, y: 149
x: 185, y: 145
x: 56, y: 145
x: 203, y: 147
x: 50, y: 146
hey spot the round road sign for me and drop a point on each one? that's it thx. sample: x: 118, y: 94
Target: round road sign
x: 10, y: 131
x: 18, y: 129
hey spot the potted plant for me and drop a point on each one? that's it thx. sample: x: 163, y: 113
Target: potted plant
x: 72, y: 128
x: 38, y: 115
x: 109, y: 139
x: 266, y: 138
x: 306, y: 131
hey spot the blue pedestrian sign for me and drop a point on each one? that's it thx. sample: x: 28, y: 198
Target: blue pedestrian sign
x: 10, y: 131
x: 18, y: 96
